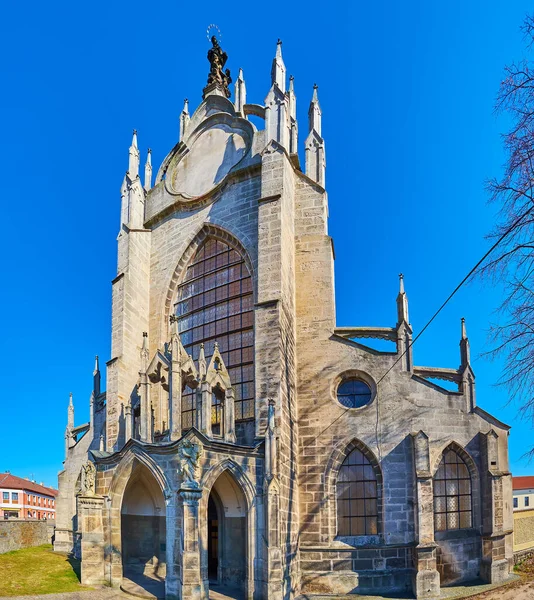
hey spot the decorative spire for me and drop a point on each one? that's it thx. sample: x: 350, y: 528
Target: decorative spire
x: 465, y: 350
x: 101, y: 446
x: 293, y: 128
x: 148, y: 170
x: 70, y: 418
x: 96, y: 378
x: 184, y: 119
x: 402, y: 303
x: 144, y: 353
x: 314, y: 112
x: 240, y: 93
x: 219, y: 78
x: 278, y: 70
x: 133, y: 164
x: 202, y: 367
x: 315, y: 150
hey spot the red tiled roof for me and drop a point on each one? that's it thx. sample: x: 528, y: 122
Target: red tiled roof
x: 523, y: 483
x: 13, y: 482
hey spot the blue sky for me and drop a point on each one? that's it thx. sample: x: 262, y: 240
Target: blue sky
x: 407, y: 92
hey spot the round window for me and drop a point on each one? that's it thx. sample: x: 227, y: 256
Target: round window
x: 353, y: 393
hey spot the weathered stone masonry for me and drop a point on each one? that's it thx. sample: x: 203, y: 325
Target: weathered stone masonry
x: 338, y: 479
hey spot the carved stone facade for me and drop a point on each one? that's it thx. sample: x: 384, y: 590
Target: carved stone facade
x: 244, y: 440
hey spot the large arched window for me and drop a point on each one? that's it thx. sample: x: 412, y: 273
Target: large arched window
x: 357, y: 496
x: 453, y: 504
x: 215, y: 304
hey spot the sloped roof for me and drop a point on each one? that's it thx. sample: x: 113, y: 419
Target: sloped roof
x: 19, y: 483
x: 523, y: 483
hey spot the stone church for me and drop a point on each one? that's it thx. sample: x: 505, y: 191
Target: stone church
x: 245, y: 442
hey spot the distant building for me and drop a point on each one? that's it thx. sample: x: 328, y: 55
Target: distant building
x: 523, y: 492
x: 24, y: 499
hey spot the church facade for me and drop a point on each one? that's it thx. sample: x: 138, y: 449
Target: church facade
x: 244, y: 441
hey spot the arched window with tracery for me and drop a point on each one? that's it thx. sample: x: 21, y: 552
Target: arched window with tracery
x: 453, y: 502
x: 215, y: 304
x: 357, y: 496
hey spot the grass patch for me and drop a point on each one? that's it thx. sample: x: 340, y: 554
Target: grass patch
x: 38, y: 570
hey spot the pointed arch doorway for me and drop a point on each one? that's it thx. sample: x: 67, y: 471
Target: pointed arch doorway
x: 225, y: 561
x: 143, y: 535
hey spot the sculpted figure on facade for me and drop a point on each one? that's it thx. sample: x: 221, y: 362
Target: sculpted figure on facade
x: 89, y: 478
x: 189, y: 454
x: 218, y: 75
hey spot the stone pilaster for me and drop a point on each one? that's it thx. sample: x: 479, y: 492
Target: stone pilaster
x: 91, y: 525
x: 494, y: 566
x: 193, y: 588
x: 425, y: 580
x: 229, y: 416
x: 272, y: 575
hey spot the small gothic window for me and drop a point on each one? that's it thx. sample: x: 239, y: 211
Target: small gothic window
x: 217, y: 412
x: 215, y: 304
x: 353, y: 393
x: 357, y: 496
x: 452, y: 494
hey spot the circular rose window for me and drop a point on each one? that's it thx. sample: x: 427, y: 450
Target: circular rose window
x: 353, y: 393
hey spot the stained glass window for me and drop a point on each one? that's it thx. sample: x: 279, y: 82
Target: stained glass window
x: 354, y: 393
x: 215, y: 304
x: 357, y: 496
x: 452, y: 494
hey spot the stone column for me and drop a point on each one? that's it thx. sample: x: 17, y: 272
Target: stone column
x: 173, y: 525
x: 193, y: 587
x: 425, y: 581
x: 176, y: 398
x: 204, y: 409
x: 229, y: 416
x: 494, y: 566
x: 91, y: 525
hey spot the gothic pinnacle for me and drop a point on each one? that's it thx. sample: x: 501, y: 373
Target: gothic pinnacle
x: 148, y: 170
x: 278, y: 70
x: 464, y: 332
x: 184, y: 119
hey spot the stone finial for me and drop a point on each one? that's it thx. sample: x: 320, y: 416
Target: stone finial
x: 278, y: 70
x: 148, y: 170
x: 202, y: 366
x: 465, y: 350
x: 101, y: 446
x: 314, y: 112
x: 96, y: 378
x: 240, y: 93
x: 402, y: 303
x: 133, y: 163
x: 184, y: 119
x: 144, y: 353
x: 70, y: 413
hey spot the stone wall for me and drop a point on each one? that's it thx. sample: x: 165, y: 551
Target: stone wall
x: 356, y: 570
x: 15, y: 535
x: 458, y: 557
x: 523, y: 530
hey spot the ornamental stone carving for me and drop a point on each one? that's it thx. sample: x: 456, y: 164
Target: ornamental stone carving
x: 89, y: 478
x: 189, y: 454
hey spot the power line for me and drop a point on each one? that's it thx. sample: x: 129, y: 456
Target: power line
x: 426, y: 326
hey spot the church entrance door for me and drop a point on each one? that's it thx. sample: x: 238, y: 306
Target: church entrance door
x: 226, y: 538
x: 143, y: 535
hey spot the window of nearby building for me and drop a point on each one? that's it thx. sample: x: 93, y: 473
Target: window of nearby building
x: 516, y: 503
x: 357, y: 496
x: 354, y: 393
x: 452, y: 494
x: 527, y: 501
x: 14, y: 497
x: 5, y: 496
x: 215, y: 304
